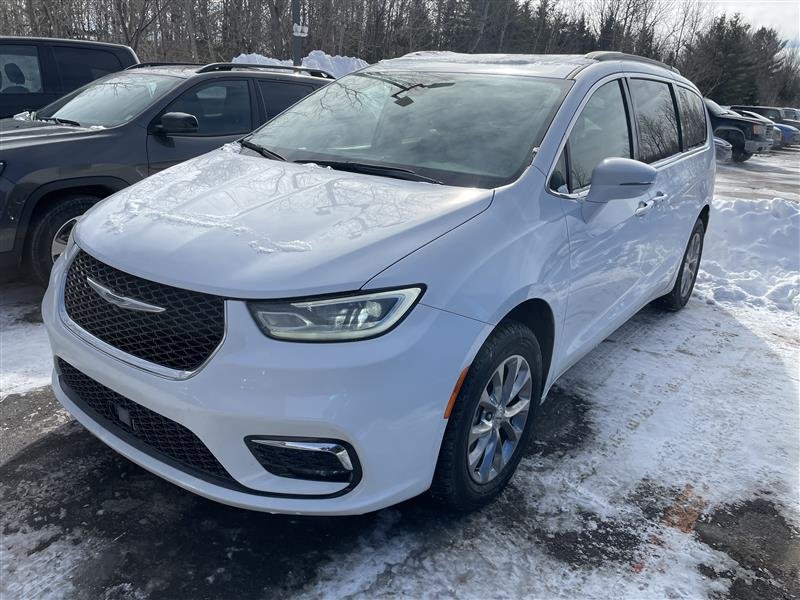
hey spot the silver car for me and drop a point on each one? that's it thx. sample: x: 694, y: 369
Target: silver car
x: 370, y: 296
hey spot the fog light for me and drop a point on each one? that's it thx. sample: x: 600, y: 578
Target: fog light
x: 314, y: 460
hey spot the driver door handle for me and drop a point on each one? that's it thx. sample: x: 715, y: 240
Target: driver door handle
x: 644, y: 207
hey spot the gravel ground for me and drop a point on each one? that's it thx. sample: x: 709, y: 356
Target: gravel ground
x: 665, y: 465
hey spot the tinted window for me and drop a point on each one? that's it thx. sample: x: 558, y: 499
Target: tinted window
x: 79, y: 66
x: 693, y: 118
x: 601, y: 131
x: 558, y: 180
x: 655, y: 115
x: 459, y: 128
x: 19, y: 69
x: 279, y: 96
x: 221, y: 107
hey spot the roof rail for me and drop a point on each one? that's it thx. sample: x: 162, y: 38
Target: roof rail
x: 161, y: 64
x: 604, y: 55
x: 231, y: 66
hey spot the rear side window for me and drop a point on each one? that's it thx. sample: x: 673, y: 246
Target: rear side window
x: 656, y: 118
x: 221, y: 107
x: 278, y: 96
x: 79, y: 66
x: 19, y: 69
x: 693, y: 118
x: 601, y: 131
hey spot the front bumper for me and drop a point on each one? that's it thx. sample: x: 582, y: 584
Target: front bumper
x: 385, y: 397
x: 756, y: 146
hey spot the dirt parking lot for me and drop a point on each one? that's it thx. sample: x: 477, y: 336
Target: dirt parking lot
x: 665, y: 466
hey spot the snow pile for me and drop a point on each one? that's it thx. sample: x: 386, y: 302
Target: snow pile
x: 25, y: 357
x: 752, y: 253
x: 338, y: 66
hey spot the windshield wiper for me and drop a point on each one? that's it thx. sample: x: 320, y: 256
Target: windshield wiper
x: 263, y: 151
x: 58, y: 120
x: 372, y: 169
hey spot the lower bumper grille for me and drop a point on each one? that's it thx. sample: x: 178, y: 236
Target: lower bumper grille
x: 151, y: 432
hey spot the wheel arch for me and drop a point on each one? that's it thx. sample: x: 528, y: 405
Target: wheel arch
x: 46, y: 195
x: 538, y: 316
x: 704, y: 214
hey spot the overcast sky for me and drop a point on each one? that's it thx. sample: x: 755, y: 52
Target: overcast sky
x: 783, y: 15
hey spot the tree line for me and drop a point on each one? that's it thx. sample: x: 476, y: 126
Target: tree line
x: 729, y: 60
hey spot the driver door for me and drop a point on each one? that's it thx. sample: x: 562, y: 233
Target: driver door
x: 224, y: 112
x: 609, y: 243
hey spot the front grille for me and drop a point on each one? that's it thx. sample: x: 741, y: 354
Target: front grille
x: 170, y: 441
x: 182, y: 337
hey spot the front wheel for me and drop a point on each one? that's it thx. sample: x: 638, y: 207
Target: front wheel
x: 687, y: 272
x: 50, y: 232
x: 740, y: 155
x: 492, y: 420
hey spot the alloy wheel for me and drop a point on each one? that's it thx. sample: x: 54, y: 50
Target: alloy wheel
x: 499, y: 419
x: 691, y: 264
x: 60, y: 239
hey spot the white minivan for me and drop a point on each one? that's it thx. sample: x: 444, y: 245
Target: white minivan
x: 370, y: 296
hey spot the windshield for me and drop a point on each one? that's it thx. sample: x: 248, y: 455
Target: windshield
x: 457, y: 128
x: 110, y: 101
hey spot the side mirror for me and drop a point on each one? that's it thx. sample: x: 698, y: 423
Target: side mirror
x: 177, y: 123
x: 620, y: 179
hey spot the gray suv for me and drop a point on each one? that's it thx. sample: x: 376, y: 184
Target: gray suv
x: 117, y: 130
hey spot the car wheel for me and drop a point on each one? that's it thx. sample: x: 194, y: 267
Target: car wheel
x: 740, y: 155
x: 687, y: 272
x: 50, y: 232
x: 491, y: 422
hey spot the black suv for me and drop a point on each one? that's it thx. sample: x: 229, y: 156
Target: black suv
x: 36, y: 71
x: 57, y: 162
x: 747, y: 136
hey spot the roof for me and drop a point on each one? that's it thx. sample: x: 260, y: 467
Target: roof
x: 542, y: 65
x: 65, y: 42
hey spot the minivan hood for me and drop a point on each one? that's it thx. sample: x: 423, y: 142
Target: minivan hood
x: 248, y: 227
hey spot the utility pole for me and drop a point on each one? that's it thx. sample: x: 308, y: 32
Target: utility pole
x: 297, y: 34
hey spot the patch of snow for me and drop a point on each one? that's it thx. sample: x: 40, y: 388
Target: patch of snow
x: 338, y: 66
x: 26, y: 360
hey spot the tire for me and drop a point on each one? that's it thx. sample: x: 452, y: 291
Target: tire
x: 680, y: 293
x: 740, y: 155
x: 456, y: 485
x: 47, y: 225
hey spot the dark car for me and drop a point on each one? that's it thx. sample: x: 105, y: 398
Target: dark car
x: 36, y: 71
x: 774, y: 113
x: 57, y: 162
x: 747, y: 136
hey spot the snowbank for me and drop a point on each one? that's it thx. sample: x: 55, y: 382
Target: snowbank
x: 752, y: 253
x: 338, y: 66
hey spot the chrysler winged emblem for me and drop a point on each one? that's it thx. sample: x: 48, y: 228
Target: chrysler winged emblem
x: 121, y: 301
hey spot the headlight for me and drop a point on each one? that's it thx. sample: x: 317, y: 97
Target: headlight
x: 343, y: 318
x: 759, y: 129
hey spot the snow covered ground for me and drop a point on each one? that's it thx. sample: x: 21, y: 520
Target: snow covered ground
x: 666, y: 466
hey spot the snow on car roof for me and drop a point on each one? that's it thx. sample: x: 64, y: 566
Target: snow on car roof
x: 543, y: 65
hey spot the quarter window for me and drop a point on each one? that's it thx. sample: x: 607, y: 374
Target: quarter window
x: 19, y: 70
x: 693, y: 118
x: 656, y: 118
x: 221, y: 108
x: 601, y: 131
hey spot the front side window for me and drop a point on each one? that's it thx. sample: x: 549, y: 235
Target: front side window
x: 601, y: 131
x: 79, y: 66
x: 111, y: 101
x: 19, y: 69
x: 655, y: 116
x: 693, y: 118
x: 221, y: 107
x: 458, y: 128
x: 278, y: 96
